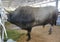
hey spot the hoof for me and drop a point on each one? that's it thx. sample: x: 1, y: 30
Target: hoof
x: 28, y: 39
x: 50, y: 33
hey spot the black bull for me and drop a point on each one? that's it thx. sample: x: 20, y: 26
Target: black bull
x: 27, y: 17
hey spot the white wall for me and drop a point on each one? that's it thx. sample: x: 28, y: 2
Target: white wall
x: 46, y: 4
x: 59, y: 5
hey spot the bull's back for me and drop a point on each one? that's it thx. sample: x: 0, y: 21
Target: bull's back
x: 43, y: 13
x: 27, y: 13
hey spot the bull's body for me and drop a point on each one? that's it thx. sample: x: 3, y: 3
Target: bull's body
x: 26, y: 17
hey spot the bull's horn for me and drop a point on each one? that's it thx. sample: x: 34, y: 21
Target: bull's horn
x: 7, y: 10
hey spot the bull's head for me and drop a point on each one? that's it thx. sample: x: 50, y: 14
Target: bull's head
x: 9, y: 14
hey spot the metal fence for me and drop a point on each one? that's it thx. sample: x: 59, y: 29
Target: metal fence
x: 15, y: 3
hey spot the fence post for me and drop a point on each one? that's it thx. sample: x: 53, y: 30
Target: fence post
x: 2, y: 22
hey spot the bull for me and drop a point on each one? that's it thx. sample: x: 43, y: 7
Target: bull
x: 27, y: 17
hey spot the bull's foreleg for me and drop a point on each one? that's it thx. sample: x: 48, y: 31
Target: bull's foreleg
x: 28, y: 34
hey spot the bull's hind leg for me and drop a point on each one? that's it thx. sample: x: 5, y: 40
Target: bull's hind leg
x: 28, y: 34
x: 43, y: 26
x: 50, y: 30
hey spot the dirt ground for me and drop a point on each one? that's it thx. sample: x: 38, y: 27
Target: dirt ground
x: 40, y: 34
